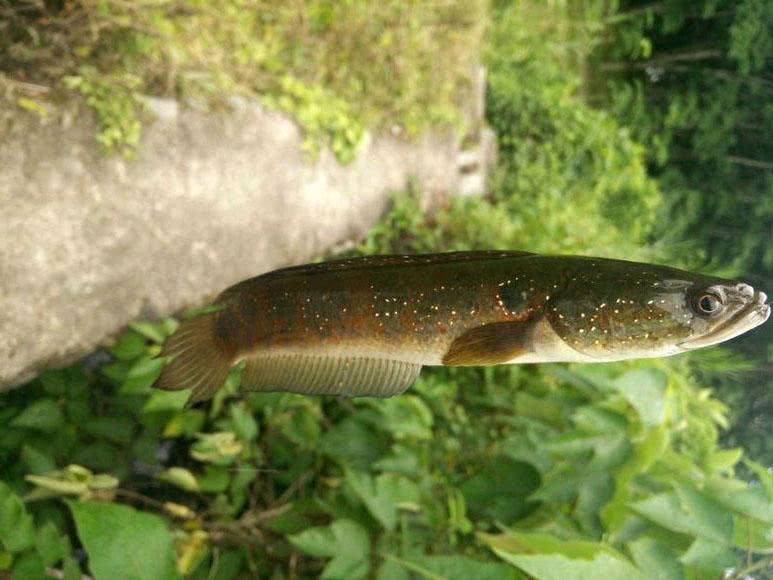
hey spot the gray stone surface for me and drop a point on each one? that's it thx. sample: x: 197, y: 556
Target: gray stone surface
x: 88, y: 243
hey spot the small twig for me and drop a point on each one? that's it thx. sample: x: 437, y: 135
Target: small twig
x: 24, y: 85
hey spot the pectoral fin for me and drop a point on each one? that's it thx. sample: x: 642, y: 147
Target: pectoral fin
x: 490, y: 344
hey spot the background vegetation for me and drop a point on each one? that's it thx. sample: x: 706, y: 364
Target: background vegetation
x: 338, y: 67
x: 547, y: 471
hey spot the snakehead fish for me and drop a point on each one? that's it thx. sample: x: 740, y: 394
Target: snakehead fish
x: 365, y: 326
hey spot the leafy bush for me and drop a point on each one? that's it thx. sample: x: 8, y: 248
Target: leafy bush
x: 697, y: 98
x: 336, y: 66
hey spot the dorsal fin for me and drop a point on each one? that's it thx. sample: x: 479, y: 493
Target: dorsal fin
x: 395, y: 260
x: 490, y: 344
x: 315, y: 374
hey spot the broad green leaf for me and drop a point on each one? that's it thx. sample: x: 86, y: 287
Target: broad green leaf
x: 406, y: 417
x: 547, y: 558
x: 711, y: 558
x: 36, y: 461
x: 752, y: 535
x: 155, y: 331
x: 741, y: 497
x: 539, y: 543
x: 658, y: 560
x: 142, y: 375
x: 42, y: 415
x: 456, y: 567
x: 301, y: 425
x: 244, y: 423
x: 124, y: 543
x: 688, y: 511
x: 17, y: 531
x: 129, y: 346
x: 501, y: 488
x: 645, y: 452
x: 215, y: 479
x: 29, y: 566
x: 560, y: 567
x: 644, y: 389
x: 160, y: 401
x: 383, y: 494
x: 353, y: 444
x: 345, y: 541
x: 51, y: 544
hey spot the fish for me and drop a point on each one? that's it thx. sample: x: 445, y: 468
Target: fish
x: 365, y: 326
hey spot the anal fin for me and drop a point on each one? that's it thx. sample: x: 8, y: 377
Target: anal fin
x: 328, y: 375
x: 490, y: 344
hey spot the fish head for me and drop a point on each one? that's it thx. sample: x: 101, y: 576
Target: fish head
x: 615, y: 310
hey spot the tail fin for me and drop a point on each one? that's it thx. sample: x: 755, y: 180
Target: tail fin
x: 197, y: 359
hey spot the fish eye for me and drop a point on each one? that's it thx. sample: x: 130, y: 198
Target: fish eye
x: 710, y: 304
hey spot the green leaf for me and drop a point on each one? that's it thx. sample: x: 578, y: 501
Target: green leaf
x: 406, y: 417
x: 142, y: 375
x: 244, y: 423
x: 644, y: 389
x: 161, y: 401
x: 129, y: 346
x: 180, y: 477
x: 36, y: 461
x: 345, y: 541
x: 353, y: 444
x: 711, y: 558
x: 51, y: 544
x: 752, y: 535
x: 43, y: 415
x: 29, y: 566
x: 659, y: 560
x: 547, y: 558
x: 17, y: 532
x: 157, y: 332
x: 383, y: 495
x: 456, y: 567
x: 688, y: 511
x: 124, y: 543
x: 500, y: 490
x: 740, y: 497
x: 215, y: 479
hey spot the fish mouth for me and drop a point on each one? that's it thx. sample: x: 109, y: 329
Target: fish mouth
x: 756, y: 312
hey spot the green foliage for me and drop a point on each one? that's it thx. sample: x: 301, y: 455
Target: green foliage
x: 699, y: 100
x: 338, y: 67
x: 609, y: 469
x: 122, y: 542
x: 325, y: 117
x: 116, y: 105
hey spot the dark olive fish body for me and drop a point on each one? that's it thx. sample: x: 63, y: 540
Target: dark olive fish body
x: 365, y: 326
